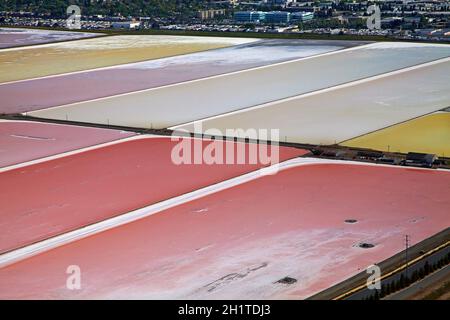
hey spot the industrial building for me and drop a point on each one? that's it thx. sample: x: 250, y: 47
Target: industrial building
x: 302, y: 16
x: 275, y: 17
x: 210, y: 14
x: 420, y: 159
x: 126, y: 25
x: 278, y: 17
x: 249, y: 16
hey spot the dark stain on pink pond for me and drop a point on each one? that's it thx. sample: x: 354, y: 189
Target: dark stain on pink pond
x: 239, y: 242
x: 56, y: 196
x: 22, y: 141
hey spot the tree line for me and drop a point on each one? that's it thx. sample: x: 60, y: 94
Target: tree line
x: 151, y: 8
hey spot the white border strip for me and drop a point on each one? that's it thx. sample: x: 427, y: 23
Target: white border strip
x: 121, y: 65
x: 11, y: 257
x: 77, y: 151
x: 313, y: 93
x: 38, y: 45
x: 194, y: 80
x: 136, y: 136
x: 105, y: 35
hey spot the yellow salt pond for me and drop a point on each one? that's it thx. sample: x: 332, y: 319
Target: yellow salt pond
x: 428, y: 134
x: 44, y: 60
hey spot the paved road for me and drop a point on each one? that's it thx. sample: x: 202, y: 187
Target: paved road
x: 433, y: 280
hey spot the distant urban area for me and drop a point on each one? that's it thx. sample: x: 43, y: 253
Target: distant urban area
x: 398, y: 19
